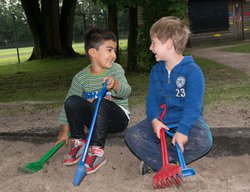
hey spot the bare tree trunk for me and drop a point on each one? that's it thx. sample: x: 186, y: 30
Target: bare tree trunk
x: 132, y: 39
x: 112, y: 21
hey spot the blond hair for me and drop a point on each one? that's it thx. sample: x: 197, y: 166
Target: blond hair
x: 171, y: 27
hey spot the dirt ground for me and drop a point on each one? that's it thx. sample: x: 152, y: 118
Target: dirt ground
x: 224, y: 173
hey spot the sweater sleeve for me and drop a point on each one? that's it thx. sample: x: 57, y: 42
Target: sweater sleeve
x: 152, y: 101
x: 193, y: 102
x: 75, y: 89
x: 124, y: 88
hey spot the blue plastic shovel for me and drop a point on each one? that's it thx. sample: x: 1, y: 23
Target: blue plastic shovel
x: 81, y: 170
x: 186, y: 171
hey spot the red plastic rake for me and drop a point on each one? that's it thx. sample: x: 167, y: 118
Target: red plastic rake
x: 169, y: 175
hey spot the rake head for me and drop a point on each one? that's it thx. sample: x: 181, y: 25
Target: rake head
x: 32, y: 167
x: 169, y: 175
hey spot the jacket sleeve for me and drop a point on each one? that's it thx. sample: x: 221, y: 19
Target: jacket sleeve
x: 152, y: 101
x: 193, y: 101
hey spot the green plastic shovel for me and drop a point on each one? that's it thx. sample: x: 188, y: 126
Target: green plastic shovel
x: 38, y: 165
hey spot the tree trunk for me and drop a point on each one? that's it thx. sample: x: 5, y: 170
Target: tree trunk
x: 46, y: 27
x: 66, y: 24
x: 132, y: 40
x: 112, y: 21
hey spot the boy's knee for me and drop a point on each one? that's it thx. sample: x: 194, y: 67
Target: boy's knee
x: 132, y: 135
x: 71, y: 101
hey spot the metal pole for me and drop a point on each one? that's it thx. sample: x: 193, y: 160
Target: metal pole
x: 14, y: 23
x: 84, y: 25
x: 242, y: 20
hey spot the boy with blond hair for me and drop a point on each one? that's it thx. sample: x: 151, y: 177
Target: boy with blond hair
x: 81, y: 100
x: 177, y: 82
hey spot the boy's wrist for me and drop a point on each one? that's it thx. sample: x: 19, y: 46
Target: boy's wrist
x: 64, y: 128
x: 116, y: 85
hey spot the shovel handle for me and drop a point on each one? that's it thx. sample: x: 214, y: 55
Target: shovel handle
x: 51, y: 152
x: 91, y: 129
x: 81, y: 170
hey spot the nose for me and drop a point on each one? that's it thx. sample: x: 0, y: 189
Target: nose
x: 150, y: 47
x: 114, y: 54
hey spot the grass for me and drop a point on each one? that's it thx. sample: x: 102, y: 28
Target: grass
x: 224, y: 83
x: 50, y: 79
x: 9, y: 56
x: 245, y: 48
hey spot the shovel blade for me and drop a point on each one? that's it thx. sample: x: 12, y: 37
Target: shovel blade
x: 79, y: 175
x: 32, y: 167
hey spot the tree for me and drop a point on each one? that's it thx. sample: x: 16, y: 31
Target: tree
x: 7, y: 35
x: 51, y: 28
x: 152, y: 11
x: 132, y: 39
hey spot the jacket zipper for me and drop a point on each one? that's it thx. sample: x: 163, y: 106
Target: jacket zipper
x: 169, y: 76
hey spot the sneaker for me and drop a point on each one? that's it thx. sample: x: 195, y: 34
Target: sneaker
x: 145, y: 169
x: 95, y: 159
x: 74, y: 156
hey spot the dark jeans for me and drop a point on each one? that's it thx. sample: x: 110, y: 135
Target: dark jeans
x: 146, y: 146
x: 110, y: 118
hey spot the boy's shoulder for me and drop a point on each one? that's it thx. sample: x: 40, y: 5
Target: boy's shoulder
x: 116, y: 65
x: 158, y: 65
x: 82, y: 72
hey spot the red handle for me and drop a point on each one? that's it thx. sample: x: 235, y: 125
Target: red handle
x: 163, y: 106
x: 164, y: 151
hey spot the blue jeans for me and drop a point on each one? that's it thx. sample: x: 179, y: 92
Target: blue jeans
x: 146, y: 146
x: 110, y: 118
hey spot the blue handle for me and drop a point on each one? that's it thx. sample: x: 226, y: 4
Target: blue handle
x: 81, y: 170
x: 91, y: 129
x: 186, y: 171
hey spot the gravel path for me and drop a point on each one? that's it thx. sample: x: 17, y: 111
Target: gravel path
x: 235, y: 60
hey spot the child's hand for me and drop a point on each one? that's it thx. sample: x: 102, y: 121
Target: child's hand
x: 157, y: 125
x: 63, y: 134
x: 112, y: 83
x: 181, y: 139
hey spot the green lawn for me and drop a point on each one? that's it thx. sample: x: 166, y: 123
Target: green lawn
x: 50, y: 79
x: 9, y: 56
x: 245, y: 48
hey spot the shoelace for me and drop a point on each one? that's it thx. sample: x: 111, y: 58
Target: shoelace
x: 96, y: 151
x: 77, y: 142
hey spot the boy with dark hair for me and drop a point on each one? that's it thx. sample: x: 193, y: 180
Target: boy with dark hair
x: 80, y: 102
x: 177, y: 82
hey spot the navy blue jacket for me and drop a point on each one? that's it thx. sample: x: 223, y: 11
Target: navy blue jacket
x: 182, y: 91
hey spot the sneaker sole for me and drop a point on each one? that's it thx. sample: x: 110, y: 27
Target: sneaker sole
x: 98, y: 167
x: 72, y: 163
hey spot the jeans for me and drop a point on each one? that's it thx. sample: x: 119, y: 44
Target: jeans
x: 110, y: 118
x: 146, y: 146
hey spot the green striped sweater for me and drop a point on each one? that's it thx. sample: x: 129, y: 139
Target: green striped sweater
x: 84, y: 81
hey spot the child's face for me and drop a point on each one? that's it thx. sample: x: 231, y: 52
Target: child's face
x: 105, y: 55
x: 158, y: 48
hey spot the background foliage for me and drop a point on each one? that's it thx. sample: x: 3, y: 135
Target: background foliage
x: 152, y: 11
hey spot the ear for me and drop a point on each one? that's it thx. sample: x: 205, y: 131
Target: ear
x: 169, y: 44
x: 91, y: 52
